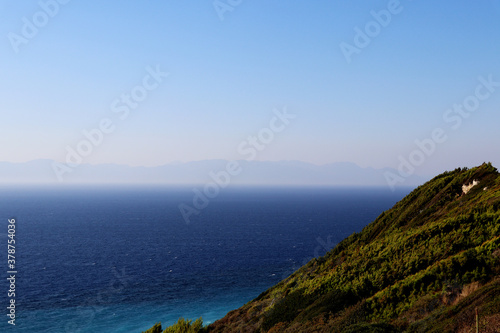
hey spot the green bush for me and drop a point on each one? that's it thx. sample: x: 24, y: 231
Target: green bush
x: 186, y: 326
x: 182, y: 326
x: 155, y: 329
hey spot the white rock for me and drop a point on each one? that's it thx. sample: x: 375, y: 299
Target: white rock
x: 467, y: 188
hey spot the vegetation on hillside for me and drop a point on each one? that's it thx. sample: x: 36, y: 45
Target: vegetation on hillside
x: 182, y: 326
x: 426, y: 265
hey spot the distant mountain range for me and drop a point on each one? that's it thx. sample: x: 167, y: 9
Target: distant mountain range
x: 201, y: 172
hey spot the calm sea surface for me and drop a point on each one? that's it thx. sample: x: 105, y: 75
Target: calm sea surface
x: 119, y: 259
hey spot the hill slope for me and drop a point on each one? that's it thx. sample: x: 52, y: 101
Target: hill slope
x: 423, y: 266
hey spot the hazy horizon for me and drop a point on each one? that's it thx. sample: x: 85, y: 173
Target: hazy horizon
x: 207, y: 173
x: 379, y: 84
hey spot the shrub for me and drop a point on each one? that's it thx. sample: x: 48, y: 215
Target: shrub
x: 186, y: 326
x: 155, y: 329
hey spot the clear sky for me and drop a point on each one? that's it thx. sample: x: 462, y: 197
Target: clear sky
x: 65, y: 67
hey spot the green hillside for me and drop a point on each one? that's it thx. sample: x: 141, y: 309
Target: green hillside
x: 425, y: 265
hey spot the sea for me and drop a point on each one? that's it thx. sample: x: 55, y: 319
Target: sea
x: 122, y: 258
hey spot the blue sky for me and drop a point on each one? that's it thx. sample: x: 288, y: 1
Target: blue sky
x: 227, y: 76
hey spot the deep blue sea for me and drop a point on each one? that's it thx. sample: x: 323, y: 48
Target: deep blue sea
x: 120, y: 259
